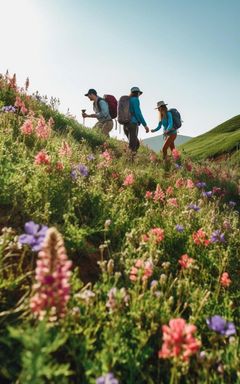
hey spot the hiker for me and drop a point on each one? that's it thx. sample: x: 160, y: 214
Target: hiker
x: 170, y: 133
x: 136, y: 119
x: 102, y: 113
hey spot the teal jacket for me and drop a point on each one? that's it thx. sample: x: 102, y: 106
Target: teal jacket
x: 167, y: 125
x: 137, y: 117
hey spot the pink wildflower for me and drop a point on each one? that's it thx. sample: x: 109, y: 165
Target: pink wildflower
x: 129, y: 180
x: 159, y: 195
x: 172, y: 202
x: 225, y: 280
x: 190, y: 184
x: 179, y: 183
x: 148, y: 195
x: 52, y: 289
x: 27, y: 127
x: 59, y: 166
x: 141, y: 268
x: 65, y: 149
x: 42, y: 158
x: 106, y: 155
x: 200, y: 238
x: 176, y: 154
x: 185, y: 261
x: 178, y: 340
x: 157, y: 234
x: 43, y: 130
x: 169, y: 191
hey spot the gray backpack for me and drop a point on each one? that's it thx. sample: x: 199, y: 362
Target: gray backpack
x: 124, y: 114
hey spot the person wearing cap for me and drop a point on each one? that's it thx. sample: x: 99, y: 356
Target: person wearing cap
x: 166, y: 120
x: 101, y: 112
x: 131, y: 128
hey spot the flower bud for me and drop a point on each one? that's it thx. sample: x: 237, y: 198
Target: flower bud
x: 110, y: 266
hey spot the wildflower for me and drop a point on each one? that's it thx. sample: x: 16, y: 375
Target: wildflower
x: 177, y: 166
x: 79, y: 170
x: 117, y: 298
x: 115, y: 175
x: 217, y: 237
x: 152, y: 157
x: 225, y: 280
x: 8, y: 108
x: 194, y: 207
x: 42, y: 158
x: 148, y: 195
x: 200, y: 238
x: 34, y: 235
x: 185, y: 261
x: 27, y: 127
x: 141, y: 268
x: 189, y: 167
x: 159, y: 195
x: 190, y: 184
x: 178, y: 340
x: 176, y: 154
x: 169, y: 191
x: 201, y: 184
x: 217, y: 191
x: 172, y: 202
x: 42, y: 130
x: 59, y: 166
x: 179, y: 228
x: 218, y: 324
x: 107, y: 223
x: 129, y: 180
x: 85, y: 295
x: 232, y: 204
x: 179, y: 183
x: 51, y: 292
x: 106, y: 155
x: 156, y: 234
x: 107, y: 379
x: 65, y: 149
x: 90, y: 157
x: 207, y: 194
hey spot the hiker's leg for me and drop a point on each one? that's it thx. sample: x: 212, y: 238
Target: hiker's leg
x: 172, y: 145
x: 165, y: 147
x: 107, y: 126
x: 133, y: 139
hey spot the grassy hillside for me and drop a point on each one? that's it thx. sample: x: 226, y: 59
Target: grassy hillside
x: 225, y: 138
x: 112, y: 271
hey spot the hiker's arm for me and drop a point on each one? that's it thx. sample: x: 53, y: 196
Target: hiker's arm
x: 170, y: 122
x: 158, y: 127
x: 86, y: 115
x: 138, y: 113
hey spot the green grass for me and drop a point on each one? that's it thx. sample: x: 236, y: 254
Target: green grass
x: 225, y: 138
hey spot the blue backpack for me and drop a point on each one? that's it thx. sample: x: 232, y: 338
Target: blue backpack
x: 177, y: 120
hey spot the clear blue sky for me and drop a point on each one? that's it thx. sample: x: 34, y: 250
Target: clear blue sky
x: 184, y: 52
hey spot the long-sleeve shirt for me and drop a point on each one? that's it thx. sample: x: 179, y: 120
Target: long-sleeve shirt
x: 101, y: 110
x: 167, y: 124
x: 137, y: 117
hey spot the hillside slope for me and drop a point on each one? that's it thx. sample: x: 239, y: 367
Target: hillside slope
x: 225, y: 138
x: 155, y: 143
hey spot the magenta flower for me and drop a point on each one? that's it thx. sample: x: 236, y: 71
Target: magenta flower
x: 34, y: 236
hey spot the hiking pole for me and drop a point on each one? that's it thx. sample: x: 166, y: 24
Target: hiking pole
x: 83, y: 111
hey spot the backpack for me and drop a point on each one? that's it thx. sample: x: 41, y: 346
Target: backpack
x: 124, y: 114
x: 177, y: 121
x: 112, y: 105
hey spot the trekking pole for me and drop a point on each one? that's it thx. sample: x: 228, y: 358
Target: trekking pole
x: 83, y: 111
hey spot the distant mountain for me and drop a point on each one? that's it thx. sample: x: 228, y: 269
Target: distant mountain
x: 223, y: 139
x: 155, y: 143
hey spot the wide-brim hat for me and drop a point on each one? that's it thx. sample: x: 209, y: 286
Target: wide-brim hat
x: 160, y: 104
x: 91, y: 92
x: 136, y: 89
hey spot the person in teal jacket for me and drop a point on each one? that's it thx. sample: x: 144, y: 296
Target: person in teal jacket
x: 166, y: 120
x: 131, y: 128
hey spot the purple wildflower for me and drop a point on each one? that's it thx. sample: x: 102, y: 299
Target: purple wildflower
x: 207, y: 194
x: 201, y: 184
x: 218, y: 324
x: 232, y: 203
x: 178, y: 166
x: 194, y: 207
x: 179, y: 228
x: 34, y: 235
x: 107, y: 379
x: 90, y: 157
x: 217, y: 237
x: 80, y: 169
x: 9, y: 108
